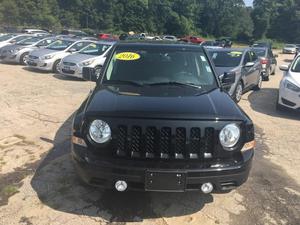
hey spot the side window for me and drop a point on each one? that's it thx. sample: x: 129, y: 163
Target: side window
x: 80, y: 45
x: 271, y: 54
x: 247, y: 58
x: 253, y: 57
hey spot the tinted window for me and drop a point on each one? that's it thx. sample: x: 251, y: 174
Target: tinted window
x: 226, y: 58
x: 19, y: 38
x: 247, y: 58
x: 296, y: 65
x: 260, y: 52
x: 60, y: 45
x: 253, y: 56
x: 29, y: 41
x: 45, y: 42
x: 95, y: 49
x: 6, y: 37
x: 152, y: 66
x: 80, y: 45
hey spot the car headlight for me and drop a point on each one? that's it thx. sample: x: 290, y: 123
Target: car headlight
x: 87, y: 63
x: 48, y: 56
x: 230, y: 135
x: 292, y: 86
x: 99, y: 131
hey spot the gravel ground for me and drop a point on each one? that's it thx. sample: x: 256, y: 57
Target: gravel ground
x: 38, y: 184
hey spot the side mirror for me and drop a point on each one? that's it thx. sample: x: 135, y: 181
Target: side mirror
x: 227, y: 79
x: 249, y: 64
x: 284, y: 67
x: 89, y: 74
x: 72, y: 50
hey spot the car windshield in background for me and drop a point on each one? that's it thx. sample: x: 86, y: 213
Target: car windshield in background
x: 6, y: 37
x: 296, y: 66
x: 95, y: 49
x: 161, y: 67
x: 29, y: 41
x: 60, y: 45
x: 260, y: 52
x: 19, y: 38
x: 226, y: 58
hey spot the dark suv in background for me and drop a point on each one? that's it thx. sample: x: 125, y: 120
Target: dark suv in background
x: 160, y: 120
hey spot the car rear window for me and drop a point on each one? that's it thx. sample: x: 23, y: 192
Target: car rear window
x: 150, y: 66
x: 226, y: 58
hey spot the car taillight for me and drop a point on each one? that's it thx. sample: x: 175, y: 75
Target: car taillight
x: 264, y: 61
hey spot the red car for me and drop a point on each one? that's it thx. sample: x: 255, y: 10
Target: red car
x: 192, y: 39
x: 107, y: 37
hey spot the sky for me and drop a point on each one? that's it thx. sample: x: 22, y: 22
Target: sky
x: 248, y: 2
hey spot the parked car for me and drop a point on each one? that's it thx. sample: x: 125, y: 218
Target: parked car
x: 243, y: 63
x: 225, y: 42
x: 93, y: 55
x: 19, y: 52
x: 289, y: 49
x: 77, y: 33
x: 48, y: 59
x: 192, y: 39
x: 35, y: 31
x: 10, y: 39
x: 210, y: 44
x: 159, y: 120
x: 289, y: 89
x: 109, y: 37
x: 267, y: 60
x: 262, y: 45
x: 169, y: 38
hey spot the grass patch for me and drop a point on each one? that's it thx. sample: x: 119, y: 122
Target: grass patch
x: 9, y: 190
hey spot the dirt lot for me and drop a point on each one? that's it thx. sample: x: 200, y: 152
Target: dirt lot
x: 38, y: 184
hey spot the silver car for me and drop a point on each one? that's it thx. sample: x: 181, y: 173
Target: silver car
x: 244, y: 63
x: 48, y: 59
x: 289, y: 49
x: 10, y: 39
x: 18, y: 52
x: 94, y: 56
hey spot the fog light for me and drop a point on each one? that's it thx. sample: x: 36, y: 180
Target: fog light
x: 206, y: 188
x: 121, y: 185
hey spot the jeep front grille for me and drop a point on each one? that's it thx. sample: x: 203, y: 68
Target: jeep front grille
x: 164, y: 143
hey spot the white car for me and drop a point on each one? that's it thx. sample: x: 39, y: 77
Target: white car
x: 289, y: 90
x: 94, y: 56
x: 19, y: 52
x: 289, y: 49
x: 48, y: 59
x: 9, y: 39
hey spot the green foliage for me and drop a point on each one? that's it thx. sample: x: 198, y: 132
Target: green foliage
x: 279, y: 19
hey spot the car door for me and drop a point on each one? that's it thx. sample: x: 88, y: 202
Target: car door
x: 247, y: 71
x: 256, y: 69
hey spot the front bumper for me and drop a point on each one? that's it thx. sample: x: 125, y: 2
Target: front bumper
x: 41, y: 64
x: 289, y: 98
x: 224, y: 176
x: 72, y: 71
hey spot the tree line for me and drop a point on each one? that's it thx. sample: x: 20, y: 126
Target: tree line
x: 275, y: 19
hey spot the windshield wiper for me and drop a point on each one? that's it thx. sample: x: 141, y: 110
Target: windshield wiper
x: 123, y: 82
x: 176, y: 84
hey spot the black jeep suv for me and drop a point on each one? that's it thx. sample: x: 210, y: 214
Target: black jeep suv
x: 159, y: 120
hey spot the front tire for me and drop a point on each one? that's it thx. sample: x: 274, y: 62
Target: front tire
x: 23, y: 58
x: 55, y: 66
x: 238, y: 92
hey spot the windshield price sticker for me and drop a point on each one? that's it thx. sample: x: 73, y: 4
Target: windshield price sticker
x: 128, y: 56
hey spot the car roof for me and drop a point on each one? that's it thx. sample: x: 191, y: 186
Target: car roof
x: 158, y: 44
x: 228, y: 49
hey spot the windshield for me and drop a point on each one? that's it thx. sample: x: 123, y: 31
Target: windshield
x: 29, y: 41
x: 226, y: 58
x: 296, y: 66
x: 6, y: 37
x: 95, y: 49
x: 45, y: 42
x: 260, y: 52
x: 60, y: 45
x: 161, y: 66
x: 19, y: 38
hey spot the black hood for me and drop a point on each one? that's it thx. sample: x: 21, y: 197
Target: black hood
x: 161, y: 102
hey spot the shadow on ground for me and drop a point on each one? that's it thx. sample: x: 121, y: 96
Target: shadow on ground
x: 67, y: 78
x: 35, y: 70
x: 58, y: 187
x: 264, y: 101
